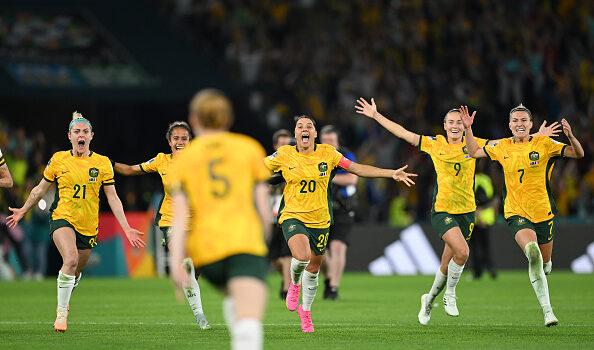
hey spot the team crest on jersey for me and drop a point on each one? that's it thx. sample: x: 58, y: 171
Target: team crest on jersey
x: 93, y: 173
x: 465, y: 150
x: 273, y: 155
x: 323, y: 167
x: 534, y: 156
x: 448, y: 220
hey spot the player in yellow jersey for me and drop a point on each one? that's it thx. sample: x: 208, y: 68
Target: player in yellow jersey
x: 78, y: 174
x: 305, y: 212
x: 452, y: 212
x: 5, y: 177
x: 529, y: 206
x: 178, y: 136
x: 220, y: 178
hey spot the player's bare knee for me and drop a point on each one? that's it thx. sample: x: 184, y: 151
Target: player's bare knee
x: 70, y: 262
x: 302, y: 256
x: 461, y: 253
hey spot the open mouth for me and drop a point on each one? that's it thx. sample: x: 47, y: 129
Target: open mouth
x: 520, y: 130
x: 305, y: 138
x: 81, y: 143
x: 179, y: 147
x: 455, y: 131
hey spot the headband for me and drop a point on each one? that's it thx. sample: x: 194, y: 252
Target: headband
x: 79, y: 120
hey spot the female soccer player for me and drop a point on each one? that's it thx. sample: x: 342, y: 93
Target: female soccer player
x: 78, y: 174
x: 305, y: 212
x: 178, y: 136
x: 219, y: 177
x: 452, y: 212
x: 529, y: 207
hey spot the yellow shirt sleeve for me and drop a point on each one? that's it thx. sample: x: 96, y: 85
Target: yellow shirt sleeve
x: 426, y: 144
x: 107, y: 178
x: 151, y: 165
x: 273, y: 162
x: 50, y: 170
x: 493, y: 151
x: 555, y: 148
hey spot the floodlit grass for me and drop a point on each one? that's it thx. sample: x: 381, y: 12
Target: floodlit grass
x: 372, y: 313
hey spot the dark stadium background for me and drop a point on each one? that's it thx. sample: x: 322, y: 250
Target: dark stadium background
x: 131, y: 67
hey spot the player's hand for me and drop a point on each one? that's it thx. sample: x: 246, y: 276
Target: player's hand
x: 134, y: 237
x: 467, y: 119
x: 551, y: 130
x: 17, y: 215
x: 369, y: 110
x: 401, y: 175
x: 566, y: 128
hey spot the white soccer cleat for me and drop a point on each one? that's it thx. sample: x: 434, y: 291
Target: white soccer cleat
x: 426, y: 306
x: 449, y: 305
x: 202, y: 322
x: 550, y: 319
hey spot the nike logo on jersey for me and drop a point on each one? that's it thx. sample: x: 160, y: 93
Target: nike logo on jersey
x: 163, y: 174
x: 505, y: 157
x: 64, y: 172
x: 441, y: 154
x: 291, y: 168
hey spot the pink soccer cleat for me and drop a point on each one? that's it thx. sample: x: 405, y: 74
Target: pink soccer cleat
x: 306, y: 323
x: 293, y: 296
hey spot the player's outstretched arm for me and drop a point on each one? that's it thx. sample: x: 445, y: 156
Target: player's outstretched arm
x: 575, y: 150
x: 127, y: 170
x: 370, y: 110
x: 36, y: 194
x: 371, y: 171
x: 5, y: 177
x: 473, y: 148
x: 118, y: 211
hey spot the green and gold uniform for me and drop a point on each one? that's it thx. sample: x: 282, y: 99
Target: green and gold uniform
x: 306, y: 205
x: 453, y: 196
x: 76, y: 203
x: 218, y: 173
x: 527, y: 167
x: 160, y: 164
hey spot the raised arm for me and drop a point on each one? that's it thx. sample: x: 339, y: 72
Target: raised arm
x: 473, y: 148
x: 36, y: 194
x: 371, y: 171
x: 575, y: 149
x: 127, y: 170
x: 118, y: 211
x: 5, y: 177
x: 370, y: 110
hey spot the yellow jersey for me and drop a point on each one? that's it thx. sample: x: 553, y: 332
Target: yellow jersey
x: 78, y: 180
x: 218, y: 173
x: 2, y: 160
x: 527, y: 169
x: 454, y: 168
x: 160, y: 164
x: 307, y: 194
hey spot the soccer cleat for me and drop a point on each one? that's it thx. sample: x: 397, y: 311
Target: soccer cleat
x: 426, y: 306
x: 293, y: 296
x: 306, y: 322
x: 332, y: 294
x: 60, y: 323
x: 449, y: 305
x: 550, y: 319
x: 202, y: 322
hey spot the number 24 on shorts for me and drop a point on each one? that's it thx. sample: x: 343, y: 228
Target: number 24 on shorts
x: 322, y: 240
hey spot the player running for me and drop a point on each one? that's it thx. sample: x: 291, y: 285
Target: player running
x: 220, y: 178
x: 453, y: 207
x: 305, y: 212
x: 529, y: 206
x: 178, y: 136
x: 74, y: 223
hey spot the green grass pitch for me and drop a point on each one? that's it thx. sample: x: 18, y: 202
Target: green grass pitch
x: 373, y: 313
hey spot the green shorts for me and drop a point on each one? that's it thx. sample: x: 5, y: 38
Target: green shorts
x: 545, y: 231
x: 318, y: 237
x: 166, y: 235
x: 241, y: 265
x: 442, y: 222
x: 82, y: 242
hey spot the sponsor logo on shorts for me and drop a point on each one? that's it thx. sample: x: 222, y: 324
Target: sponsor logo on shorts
x: 521, y: 221
x: 448, y: 220
x: 292, y: 227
